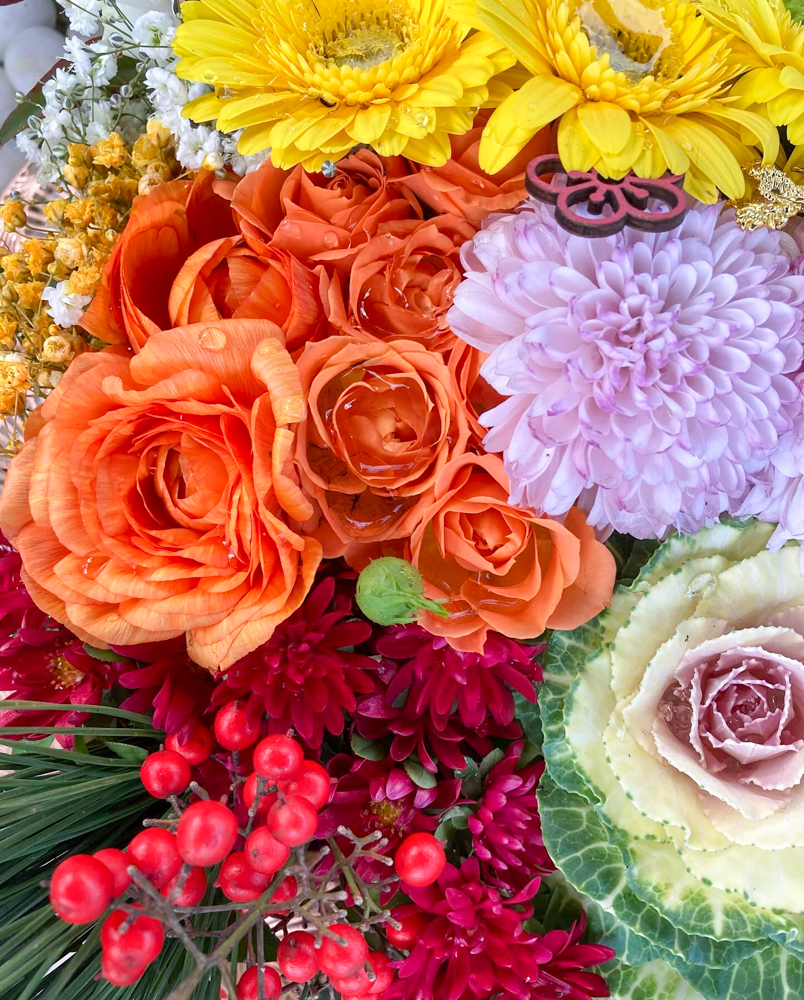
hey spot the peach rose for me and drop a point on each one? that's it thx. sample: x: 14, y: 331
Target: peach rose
x: 322, y: 220
x: 461, y: 188
x: 501, y: 567
x: 401, y: 284
x: 165, y: 228
x: 157, y: 495
x: 383, y: 420
x: 226, y: 279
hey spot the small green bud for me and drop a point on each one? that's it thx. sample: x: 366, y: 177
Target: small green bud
x: 390, y: 592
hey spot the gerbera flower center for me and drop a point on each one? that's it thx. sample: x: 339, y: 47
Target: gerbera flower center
x: 363, y: 35
x: 634, y: 35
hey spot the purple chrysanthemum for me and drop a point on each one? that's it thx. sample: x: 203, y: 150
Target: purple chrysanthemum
x: 649, y: 376
x: 506, y: 829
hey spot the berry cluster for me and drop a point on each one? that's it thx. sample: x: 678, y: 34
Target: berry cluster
x: 259, y: 838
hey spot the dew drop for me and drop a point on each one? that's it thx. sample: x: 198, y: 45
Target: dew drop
x: 701, y: 586
x: 213, y: 339
x: 330, y: 239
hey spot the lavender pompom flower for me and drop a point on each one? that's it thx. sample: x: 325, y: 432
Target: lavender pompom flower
x: 649, y: 376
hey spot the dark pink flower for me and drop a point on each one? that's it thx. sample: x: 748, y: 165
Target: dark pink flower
x: 474, y: 945
x: 376, y: 795
x: 305, y: 676
x: 475, y: 688
x: 59, y: 672
x: 166, y: 682
x: 22, y: 624
x: 506, y: 829
x: 563, y: 976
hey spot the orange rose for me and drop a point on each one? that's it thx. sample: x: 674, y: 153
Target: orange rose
x: 501, y: 567
x: 460, y: 187
x: 383, y: 420
x: 157, y: 494
x: 478, y: 396
x: 165, y: 228
x: 402, y: 283
x: 225, y: 279
x: 322, y: 220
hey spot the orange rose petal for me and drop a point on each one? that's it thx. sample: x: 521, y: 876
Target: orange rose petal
x: 184, y: 305
x: 274, y: 367
x: 15, y: 508
x: 592, y: 587
x: 288, y: 493
x: 105, y: 626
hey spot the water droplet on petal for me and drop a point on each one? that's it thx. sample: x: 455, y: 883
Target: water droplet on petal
x: 330, y: 239
x: 213, y: 339
x: 701, y: 586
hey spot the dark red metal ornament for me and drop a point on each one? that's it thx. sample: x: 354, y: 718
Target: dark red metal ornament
x: 627, y: 199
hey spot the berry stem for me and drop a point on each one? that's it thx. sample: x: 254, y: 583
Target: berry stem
x: 260, y: 935
x: 166, y: 912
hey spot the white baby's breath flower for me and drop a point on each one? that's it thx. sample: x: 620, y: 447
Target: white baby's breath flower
x: 85, y: 17
x: 64, y: 305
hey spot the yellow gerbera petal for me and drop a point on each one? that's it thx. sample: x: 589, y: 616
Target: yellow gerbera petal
x: 708, y: 154
x: 608, y: 127
x: 573, y: 145
x: 342, y: 73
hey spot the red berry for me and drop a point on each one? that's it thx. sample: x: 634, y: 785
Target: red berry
x: 293, y: 821
x: 195, y: 750
x: 139, y: 944
x: 117, y: 974
x: 264, y: 852
x: 81, y: 888
x: 248, y: 983
x: 419, y: 859
x: 297, y: 957
x: 165, y: 773
x: 117, y: 863
x: 341, y: 960
x: 312, y: 783
x: 412, y: 925
x: 285, y: 891
x: 206, y: 833
x: 359, y: 984
x: 235, y: 728
x: 267, y: 799
x: 155, y: 853
x: 278, y: 757
x: 239, y: 881
x: 192, y: 891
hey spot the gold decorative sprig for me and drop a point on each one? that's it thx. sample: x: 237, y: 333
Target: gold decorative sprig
x: 775, y: 200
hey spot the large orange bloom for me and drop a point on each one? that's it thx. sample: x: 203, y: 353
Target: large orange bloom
x: 501, y: 567
x: 322, y: 220
x: 157, y: 496
x: 165, y: 228
x: 401, y: 283
x: 383, y: 420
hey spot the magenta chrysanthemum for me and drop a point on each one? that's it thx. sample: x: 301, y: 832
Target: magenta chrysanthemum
x: 648, y: 375
x: 506, y: 829
x: 474, y: 946
x: 305, y: 676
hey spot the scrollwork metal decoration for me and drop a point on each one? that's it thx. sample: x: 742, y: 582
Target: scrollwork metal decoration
x: 630, y: 199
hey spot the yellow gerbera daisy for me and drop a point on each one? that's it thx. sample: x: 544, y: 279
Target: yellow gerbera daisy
x: 312, y: 78
x: 774, y: 42
x: 639, y: 86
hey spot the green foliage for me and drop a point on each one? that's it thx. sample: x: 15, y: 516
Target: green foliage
x: 796, y: 8
x: 55, y: 802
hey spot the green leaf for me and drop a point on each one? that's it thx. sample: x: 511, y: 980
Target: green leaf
x: 16, y: 120
x: 128, y: 752
x: 490, y: 760
x: 419, y: 775
x: 368, y: 749
x: 471, y: 780
x: 107, y: 655
x: 655, y: 980
x: 44, y: 706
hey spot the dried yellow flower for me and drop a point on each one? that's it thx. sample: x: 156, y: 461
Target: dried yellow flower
x: 15, y: 267
x: 71, y: 250
x: 15, y: 380
x: 110, y: 152
x: 79, y: 212
x: 8, y: 332
x: 12, y: 215
x: 29, y: 294
x: 85, y: 279
x: 76, y: 177
x: 78, y: 154
x: 38, y: 253
x: 57, y: 350
x: 54, y: 210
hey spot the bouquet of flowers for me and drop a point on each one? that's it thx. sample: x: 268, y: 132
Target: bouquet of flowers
x: 400, y: 579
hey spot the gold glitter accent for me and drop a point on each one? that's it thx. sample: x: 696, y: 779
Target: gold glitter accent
x: 776, y: 199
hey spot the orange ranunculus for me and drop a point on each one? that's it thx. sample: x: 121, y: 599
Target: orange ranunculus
x: 228, y: 279
x: 157, y: 495
x: 502, y: 567
x: 460, y: 187
x: 322, y: 220
x: 402, y: 283
x: 383, y: 420
x: 465, y: 363
x: 165, y: 228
